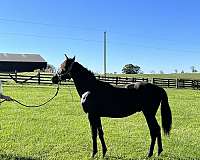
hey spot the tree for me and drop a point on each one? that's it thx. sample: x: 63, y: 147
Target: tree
x: 193, y: 69
x: 131, y: 69
x: 50, y: 68
x: 161, y: 72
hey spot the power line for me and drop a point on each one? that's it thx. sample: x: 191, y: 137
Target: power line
x: 2, y: 19
x: 49, y: 24
x: 98, y: 41
x: 155, y: 48
x: 136, y: 35
x: 85, y: 40
x: 49, y: 37
x: 141, y: 36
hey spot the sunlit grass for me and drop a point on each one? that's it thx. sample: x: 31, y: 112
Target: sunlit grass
x: 60, y: 129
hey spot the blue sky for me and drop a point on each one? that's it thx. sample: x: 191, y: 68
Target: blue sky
x: 156, y: 35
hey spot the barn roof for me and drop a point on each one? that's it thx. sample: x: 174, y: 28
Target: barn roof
x: 8, y: 57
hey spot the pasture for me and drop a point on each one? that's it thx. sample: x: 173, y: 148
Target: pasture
x: 60, y: 129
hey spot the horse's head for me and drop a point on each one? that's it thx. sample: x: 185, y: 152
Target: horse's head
x: 64, y: 71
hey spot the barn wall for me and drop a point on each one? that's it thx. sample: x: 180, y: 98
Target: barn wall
x: 21, y: 66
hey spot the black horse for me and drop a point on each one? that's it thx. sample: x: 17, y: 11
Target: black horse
x: 100, y: 99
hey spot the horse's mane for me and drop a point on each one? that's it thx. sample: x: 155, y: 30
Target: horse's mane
x: 84, y: 71
x: 89, y: 74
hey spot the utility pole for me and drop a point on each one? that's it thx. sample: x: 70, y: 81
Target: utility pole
x: 104, y: 53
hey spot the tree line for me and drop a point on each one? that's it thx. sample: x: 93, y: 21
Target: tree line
x: 135, y: 69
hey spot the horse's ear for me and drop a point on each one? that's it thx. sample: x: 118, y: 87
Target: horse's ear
x: 73, y: 58
x: 66, y: 57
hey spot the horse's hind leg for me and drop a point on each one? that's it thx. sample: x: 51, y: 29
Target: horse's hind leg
x: 101, y: 137
x: 154, y: 132
x: 159, y: 139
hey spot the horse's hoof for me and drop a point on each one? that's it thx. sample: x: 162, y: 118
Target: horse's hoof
x: 150, y: 154
x: 104, y: 152
x: 160, y: 151
x: 94, y: 153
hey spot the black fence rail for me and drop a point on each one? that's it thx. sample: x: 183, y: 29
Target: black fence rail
x: 45, y: 78
x: 177, y: 83
x: 187, y: 83
x: 121, y: 80
x: 165, y: 83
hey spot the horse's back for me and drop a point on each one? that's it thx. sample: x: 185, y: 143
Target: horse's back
x: 144, y: 87
x: 110, y: 101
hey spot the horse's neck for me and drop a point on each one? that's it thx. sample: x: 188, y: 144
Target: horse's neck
x: 82, y: 81
x: 81, y: 88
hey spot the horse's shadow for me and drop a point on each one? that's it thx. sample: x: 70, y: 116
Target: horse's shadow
x: 15, y: 157
x: 114, y: 158
x: 146, y: 158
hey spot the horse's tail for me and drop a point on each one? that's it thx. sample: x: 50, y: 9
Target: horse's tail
x: 165, y: 113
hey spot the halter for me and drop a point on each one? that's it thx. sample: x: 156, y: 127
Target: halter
x: 68, y: 72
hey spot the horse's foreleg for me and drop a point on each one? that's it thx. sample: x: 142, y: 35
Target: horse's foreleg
x: 93, y: 125
x: 101, y: 137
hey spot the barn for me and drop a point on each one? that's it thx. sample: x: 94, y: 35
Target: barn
x: 21, y: 62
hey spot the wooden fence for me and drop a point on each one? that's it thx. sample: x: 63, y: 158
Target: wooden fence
x: 177, y: 83
x: 121, y: 80
x: 44, y: 78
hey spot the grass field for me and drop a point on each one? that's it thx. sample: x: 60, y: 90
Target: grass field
x: 60, y: 130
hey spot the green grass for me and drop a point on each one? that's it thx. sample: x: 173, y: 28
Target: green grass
x: 60, y: 129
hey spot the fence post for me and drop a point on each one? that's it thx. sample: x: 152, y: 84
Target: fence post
x: 168, y: 83
x: 133, y: 80
x: 153, y: 80
x: 15, y: 76
x: 39, y: 76
x: 116, y: 80
x: 194, y: 84
x: 177, y: 83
